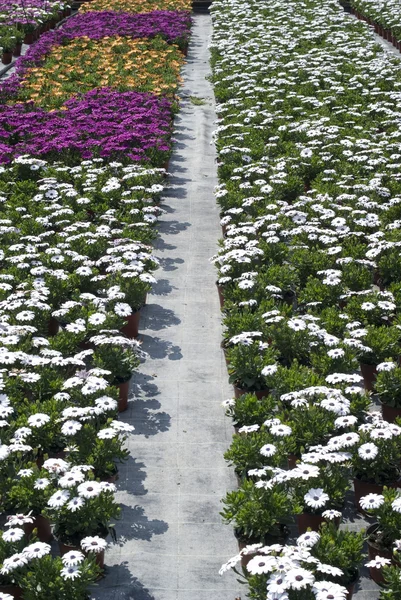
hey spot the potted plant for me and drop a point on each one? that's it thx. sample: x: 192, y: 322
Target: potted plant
x: 29, y: 493
x: 59, y: 578
x: 379, y: 344
x: 388, y: 388
x: 82, y: 508
x: 7, y: 42
x: 259, y: 514
x: 19, y: 38
x: 319, y: 490
x: 381, y: 536
x: 342, y: 549
x: 11, y: 542
x: 119, y: 356
x: 392, y: 583
x: 376, y: 457
x: 247, y: 358
x: 249, y: 410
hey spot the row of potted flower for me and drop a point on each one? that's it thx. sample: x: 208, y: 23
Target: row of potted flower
x: 25, y: 20
x: 77, y: 262
x: 135, y: 6
x: 384, y: 17
x: 309, y: 269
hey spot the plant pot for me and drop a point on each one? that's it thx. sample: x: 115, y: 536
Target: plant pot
x: 238, y: 392
x: 53, y: 326
x: 373, y: 551
x: 390, y: 413
x: 363, y: 488
x: 7, y: 58
x: 266, y: 540
x: 220, y: 290
x: 131, y: 329
x: 123, y: 389
x: 42, y: 525
x: 292, y: 460
x: 307, y: 521
x: 111, y: 478
x: 17, y: 50
x: 351, y: 587
x: 369, y: 373
x: 14, y: 590
x: 29, y: 38
x: 64, y: 548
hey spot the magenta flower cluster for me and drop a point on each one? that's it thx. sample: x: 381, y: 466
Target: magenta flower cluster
x: 173, y: 26
x: 102, y: 122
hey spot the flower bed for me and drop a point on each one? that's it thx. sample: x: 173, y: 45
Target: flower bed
x: 76, y: 265
x: 385, y: 17
x: 309, y: 271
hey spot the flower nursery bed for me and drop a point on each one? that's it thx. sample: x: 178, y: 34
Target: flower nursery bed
x: 79, y: 200
x: 384, y: 17
x: 309, y: 269
x: 135, y: 6
x: 25, y: 20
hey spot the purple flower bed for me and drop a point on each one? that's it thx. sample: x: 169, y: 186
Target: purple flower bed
x: 171, y: 25
x: 103, y: 122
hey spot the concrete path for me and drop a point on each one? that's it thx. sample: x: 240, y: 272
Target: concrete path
x: 171, y: 538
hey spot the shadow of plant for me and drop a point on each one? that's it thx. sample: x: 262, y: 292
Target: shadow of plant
x: 135, y: 525
x: 146, y: 421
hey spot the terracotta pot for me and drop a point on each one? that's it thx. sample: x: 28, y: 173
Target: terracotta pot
x: 64, y: 548
x: 17, y: 50
x: 7, y: 58
x: 220, y: 290
x: 238, y: 392
x: 14, y: 591
x: 350, y: 591
x: 390, y: 413
x: 131, y: 329
x: 42, y: 525
x: 292, y: 460
x: 373, y: 551
x: 307, y: 521
x: 123, y: 389
x: 112, y: 478
x: 53, y: 326
x: 369, y: 373
x: 363, y: 488
x: 29, y: 38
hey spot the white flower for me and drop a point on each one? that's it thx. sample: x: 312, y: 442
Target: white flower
x: 378, y: 562
x: 75, y: 504
x: 316, y: 498
x: 71, y: 427
x: 13, y: 535
x: 306, y: 471
x: 58, y: 499
x: 329, y: 570
x: 55, y: 465
x: 122, y: 309
x: 70, y: 479
x: 326, y: 590
x: 38, y: 420
x: 269, y: 370
x: 25, y: 472
x: 72, y: 558
x: 13, y: 562
x: 268, y: 450
x: 385, y: 366
x: 371, y: 501
x: 97, y: 319
x: 36, y: 550
x: 107, y: 434
x: 276, y: 585
x: 331, y: 514
x: 4, y: 596
x: 89, y: 489
x: 280, y: 430
x: 396, y: 505
x: 70, y: 572
x: 308, y: 539
x: 347, y: 421
x: 261, y: 564
x: 299, y: 579
x: 19, y: 519
x: 93, y: 544
x: 336, y: 353
x: 368, y: 451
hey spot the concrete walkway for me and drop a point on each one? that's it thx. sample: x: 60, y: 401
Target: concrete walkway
x: 171, y: 541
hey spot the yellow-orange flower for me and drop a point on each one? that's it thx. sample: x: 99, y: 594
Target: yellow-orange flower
x: 122, y: 63
x: 136, y: 6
